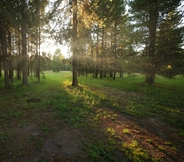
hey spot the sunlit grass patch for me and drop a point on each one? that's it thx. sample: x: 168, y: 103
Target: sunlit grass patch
x: 67, y: 82
x: 149, y: 140
x: 149, y: 100
x: 136, y: 153
x: 125, y: 131
x: 161, y: 148
x: 167, y: 143
x: 111, y: 131
x: 174, y: 148
x: 103, y: 113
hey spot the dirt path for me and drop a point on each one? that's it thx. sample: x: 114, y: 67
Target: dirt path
x: 52, y: 140
x: 160, y: 139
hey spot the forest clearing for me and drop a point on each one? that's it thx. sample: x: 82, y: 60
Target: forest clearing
x: 100, y: 120
x: 91, y: 81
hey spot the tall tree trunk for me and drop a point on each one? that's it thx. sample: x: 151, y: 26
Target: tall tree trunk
x: 24, y: 57
x: 24, y: 46
x: 0, y: 62
x: 115, y: 45
x: 74, y: 44
x: 37, y: 59
x: 4, y: 54
x: 18, y: 70
x: 86, y: 65
x: 10, y: 57
x: 31, y: 69
x: 0, y: 70
x: 102, y: 55
x: 105, y: 55
x: 38, y: 39
x: 86, y: 70
x: 111, y: 56
x: 97, y: 55
x: 92, y: 55
x: 31, y: 63
x: 151, y: 68
x: 19, y: 59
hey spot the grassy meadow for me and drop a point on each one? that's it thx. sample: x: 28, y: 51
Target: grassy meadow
x: 105, y: 119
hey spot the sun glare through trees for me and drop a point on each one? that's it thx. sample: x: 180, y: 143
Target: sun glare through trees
x: 92, y: 80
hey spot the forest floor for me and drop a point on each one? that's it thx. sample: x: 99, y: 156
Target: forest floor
x: 60, y: 123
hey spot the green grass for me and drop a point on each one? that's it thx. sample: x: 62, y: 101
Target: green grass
x: 165, y: 96
x: 100, y: 151
x: 126, y: 131
x: 84, y: 108
x: 134, y: 152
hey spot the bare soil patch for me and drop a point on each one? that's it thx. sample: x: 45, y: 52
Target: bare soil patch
x: 65, y: 144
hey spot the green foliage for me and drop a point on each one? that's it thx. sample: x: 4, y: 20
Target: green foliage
x: 161, y: 148
x: 167, y: 143
x: 108, y: 11
x: 181, y: 132
x: 59, y: 63
x: 170, y: 55
x: 154, y: 24
x: 100, y: 151
x: 135, y: 153
x: 126, y: 131
x: 4, y: 137
x: 43, y: 160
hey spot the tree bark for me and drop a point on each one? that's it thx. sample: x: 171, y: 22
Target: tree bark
x: 39, y: 43
x: 19, y: 59
x: 115, y: 52
x: 115, y: 44
x: 102, y: 55
x: 105, y: 56
x: 153, y: 15
x: 74, y: 44
x: 10, y: 57
x: 24, y: 46
x: 4, y: 54
x: 92, y: 55
x: 96, y: 67
x: 24, y: 58
x: 0, y: 63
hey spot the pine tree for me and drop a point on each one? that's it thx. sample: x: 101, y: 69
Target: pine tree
x: 170, y: 54
x: 147, y: 16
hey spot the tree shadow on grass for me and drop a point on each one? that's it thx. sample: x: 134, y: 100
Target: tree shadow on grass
x: 146, y: 138
x: 80, y: 124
